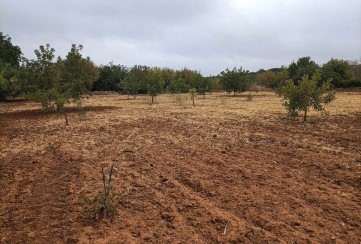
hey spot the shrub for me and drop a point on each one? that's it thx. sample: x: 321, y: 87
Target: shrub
x: 299, y: 98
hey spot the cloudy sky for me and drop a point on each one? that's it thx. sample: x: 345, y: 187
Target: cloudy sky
x: 205, y: 35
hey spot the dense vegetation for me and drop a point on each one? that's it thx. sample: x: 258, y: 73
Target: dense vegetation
x: 53, y: 82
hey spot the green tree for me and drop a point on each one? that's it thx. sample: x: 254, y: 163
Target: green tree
x: 215, y: 84
x: 138, y: 74
x: 177, y: 86
x: 40, y: 78
x: 266, y: 78
x: 303, y: 66
x: 168, y: 75
x: 307, y: 94
x: 55, y: 83
x: 154, y: 83
x: 111, y: 78
x: 201, y: 84
x: 130, y: 86
x: 236, y: 80
x: 337, y: 70
x: 10, y: 56
x: 193, y: 93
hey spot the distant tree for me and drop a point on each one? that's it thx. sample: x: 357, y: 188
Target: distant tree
x: 236, y: 80
x: 281, y: 77
x: 4, y: 87
x: 111, y: 77
x: 266, y: 78
x: 130, y: 86
x: 187, y: 75
x: 201, y: 84
x: 356, y: 76
x: 154, y: 83
x: 307, y: 94
x: 215, y: 84
x: 177, y: 86
x: 337, y: 70
x: 303, y: 66
x: 168, y: 75
x: 10, y: 56
x: 138, y: 74
x: 193, y: 93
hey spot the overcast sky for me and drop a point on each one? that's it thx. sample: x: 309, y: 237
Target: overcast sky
x: 205, y: 35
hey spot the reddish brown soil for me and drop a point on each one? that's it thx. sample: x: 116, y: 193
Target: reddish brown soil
x: 227, y: 170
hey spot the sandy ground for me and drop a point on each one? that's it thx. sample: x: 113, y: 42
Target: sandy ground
x: 228, y: 170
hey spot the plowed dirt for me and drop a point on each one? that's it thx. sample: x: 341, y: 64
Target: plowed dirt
x: 227, y: 170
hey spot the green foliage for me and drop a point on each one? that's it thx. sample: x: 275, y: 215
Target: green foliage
x: 10, y: 57
x: 168, y: 75
x: 4, y: 87
x: 111, y: 78
x: 9, y: 54
x: 177, y: 86
x: 55, y: 83
x: 154, y: 83
x: 201, y: 84
x: 130, y: 86
x: 236, y: 80
x: 193, y: 93
x: 356, y: 73
x: 266, y: 78
x: 307, y: 94
x: 337, y: 70
x: 138, y: 75
x: 304, y: 66
x: 215, y: 84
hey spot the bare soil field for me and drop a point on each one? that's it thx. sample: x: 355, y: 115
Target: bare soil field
x: 226, y: 171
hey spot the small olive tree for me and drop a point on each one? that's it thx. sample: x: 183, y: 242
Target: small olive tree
x: 193, y: 93
x: 54, y: 83
x: 307, y: 94
x: 154, y: 83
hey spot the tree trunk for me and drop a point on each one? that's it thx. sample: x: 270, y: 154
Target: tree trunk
x: 193, y: 102
x: 66, y: 118
x: 152, y: 99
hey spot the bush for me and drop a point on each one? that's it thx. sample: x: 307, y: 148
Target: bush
x: 307, y: 94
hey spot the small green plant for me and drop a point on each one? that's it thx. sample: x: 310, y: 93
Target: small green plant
x: 193, y: 93
x: 101, y: 205
x: 249, y: 97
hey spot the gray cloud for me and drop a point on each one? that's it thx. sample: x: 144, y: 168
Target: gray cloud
x: 203, y: 35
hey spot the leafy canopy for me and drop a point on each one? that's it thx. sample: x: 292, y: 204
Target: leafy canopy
x: 53, y: 83
x: 235, y: 80
x: 307, y: 94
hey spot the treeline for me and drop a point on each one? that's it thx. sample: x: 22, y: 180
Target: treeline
x: 141, y: 79
x: 341, y: 74
x: 54, y: 81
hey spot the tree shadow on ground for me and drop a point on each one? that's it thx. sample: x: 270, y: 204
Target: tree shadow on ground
x: 39, y: 113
